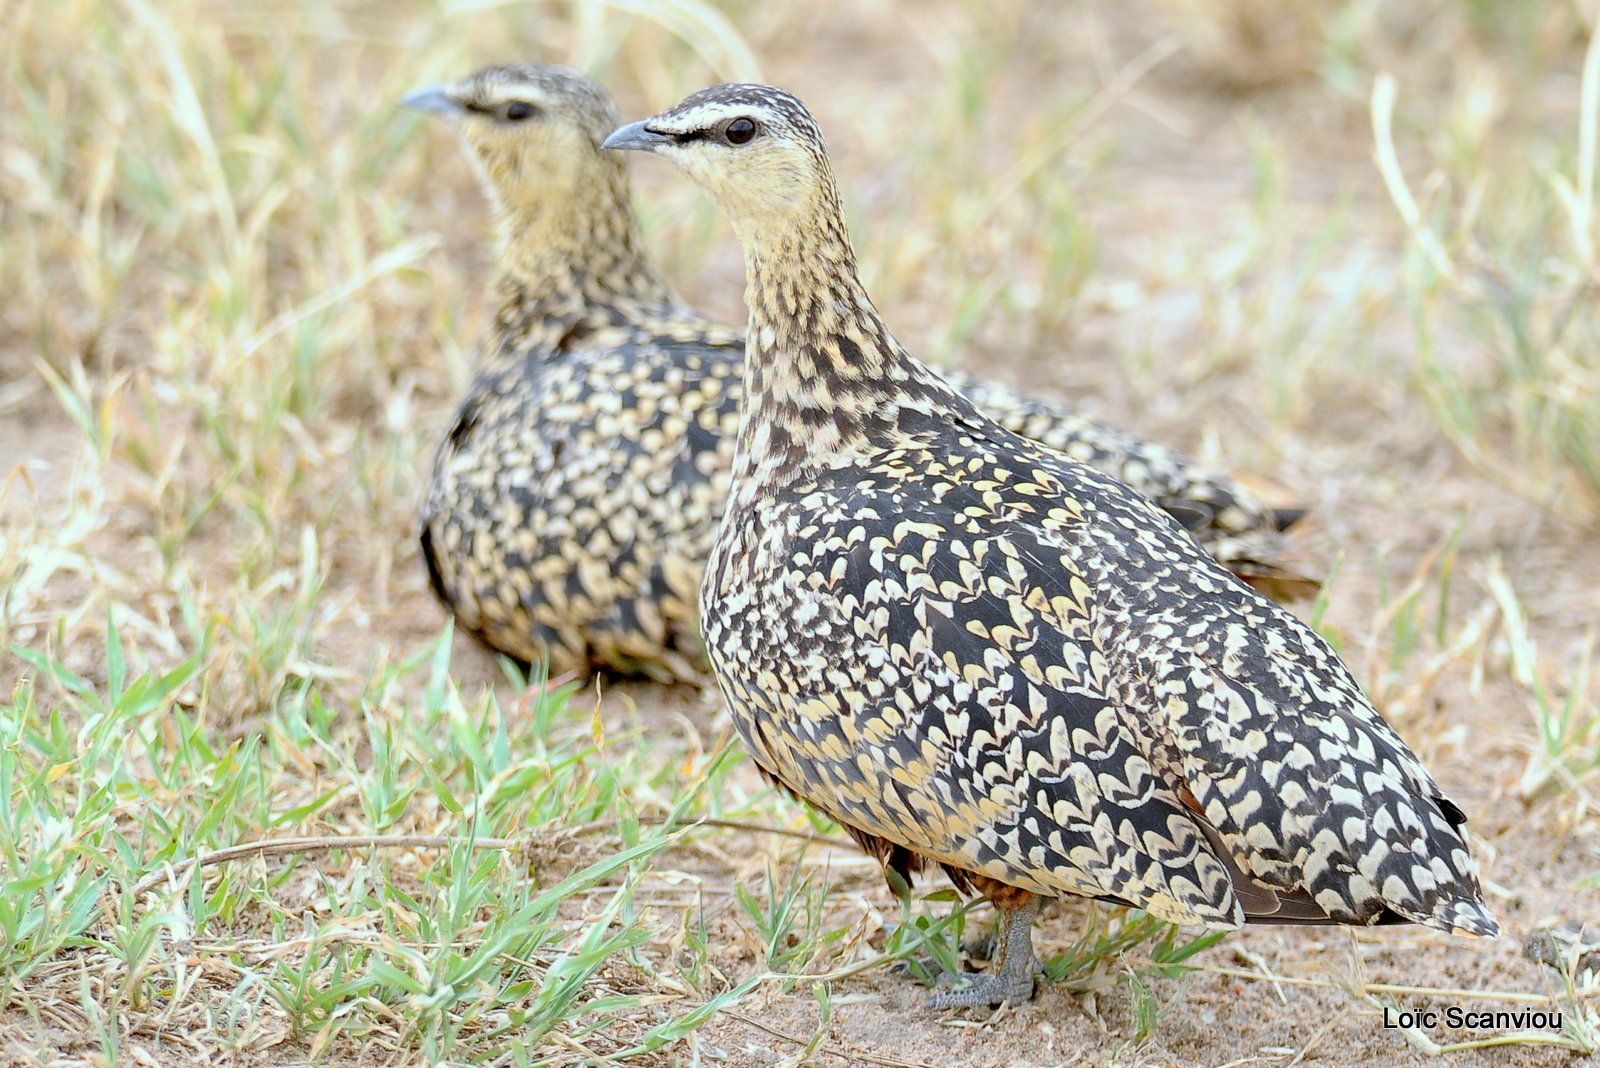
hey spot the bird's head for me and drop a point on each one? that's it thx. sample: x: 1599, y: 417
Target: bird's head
x: 755, y: 149
x: 533, y: 130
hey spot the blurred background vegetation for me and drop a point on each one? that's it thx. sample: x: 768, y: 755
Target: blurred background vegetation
x: 1345, y: 247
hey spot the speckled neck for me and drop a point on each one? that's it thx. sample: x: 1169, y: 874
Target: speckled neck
x: 825, y: 380
x: 574, y: 264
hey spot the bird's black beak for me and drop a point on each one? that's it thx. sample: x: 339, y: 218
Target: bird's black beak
x: 636, y: 136
x: 434, y: 99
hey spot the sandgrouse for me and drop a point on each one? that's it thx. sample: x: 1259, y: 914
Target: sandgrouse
x: 971, y: 650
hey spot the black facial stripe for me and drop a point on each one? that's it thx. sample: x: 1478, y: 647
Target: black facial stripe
x: 493, y: 111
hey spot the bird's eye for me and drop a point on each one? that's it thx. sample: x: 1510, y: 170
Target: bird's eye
x: 517, y: 111
x: 739, y: 131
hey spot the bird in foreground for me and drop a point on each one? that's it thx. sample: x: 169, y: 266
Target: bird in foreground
x: 572, y: 505
x: 970, y: 650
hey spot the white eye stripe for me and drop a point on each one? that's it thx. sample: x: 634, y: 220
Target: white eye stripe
x: 498, y: 96
x: 705, y: 117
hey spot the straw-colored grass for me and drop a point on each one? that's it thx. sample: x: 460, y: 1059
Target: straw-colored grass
x: 256, y: 803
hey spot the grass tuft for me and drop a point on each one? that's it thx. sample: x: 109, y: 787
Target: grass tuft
x: 257, y: 802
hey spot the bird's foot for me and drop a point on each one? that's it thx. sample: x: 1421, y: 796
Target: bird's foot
x: 1007, y: 986
x: 1010, y: 980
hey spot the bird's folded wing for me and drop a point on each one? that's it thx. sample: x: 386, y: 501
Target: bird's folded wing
x: 981, y: 734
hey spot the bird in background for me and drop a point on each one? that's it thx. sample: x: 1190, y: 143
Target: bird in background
x: 971, y: 650
x: 573, y: 501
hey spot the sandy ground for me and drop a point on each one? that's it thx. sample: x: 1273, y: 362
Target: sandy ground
x: 1379, y: 477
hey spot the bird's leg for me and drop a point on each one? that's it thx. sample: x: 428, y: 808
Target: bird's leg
x: 1011, y: 979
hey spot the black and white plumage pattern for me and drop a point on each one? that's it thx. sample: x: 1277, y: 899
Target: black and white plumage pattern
x: 973, y: 651
x: 943, y: 615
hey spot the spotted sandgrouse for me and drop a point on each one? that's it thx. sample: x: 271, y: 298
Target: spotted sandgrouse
x: 971, y: 650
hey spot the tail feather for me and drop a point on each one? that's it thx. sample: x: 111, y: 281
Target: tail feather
x: 1264, y: 904
x: 1284, y: 518
x: 1264, y: 561
x: 1282, y: 584
x: 431, y: 560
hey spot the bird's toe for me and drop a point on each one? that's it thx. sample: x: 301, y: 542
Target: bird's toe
x: 984, y: 989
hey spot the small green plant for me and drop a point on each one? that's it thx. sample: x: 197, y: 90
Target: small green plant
x: 789, y: 920
x: 1565, y: 711
x: 1099, y: 959
x: 256, y: 804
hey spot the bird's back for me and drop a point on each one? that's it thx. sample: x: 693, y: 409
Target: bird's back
x: 1236, y: 528
x: 573, y: 502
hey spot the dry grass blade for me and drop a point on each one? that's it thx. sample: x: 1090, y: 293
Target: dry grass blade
x: 277, y: 847
x: 1384, y: 93
x: 706, y: 30
x: 848, y: 1056
x: 241, y: 292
